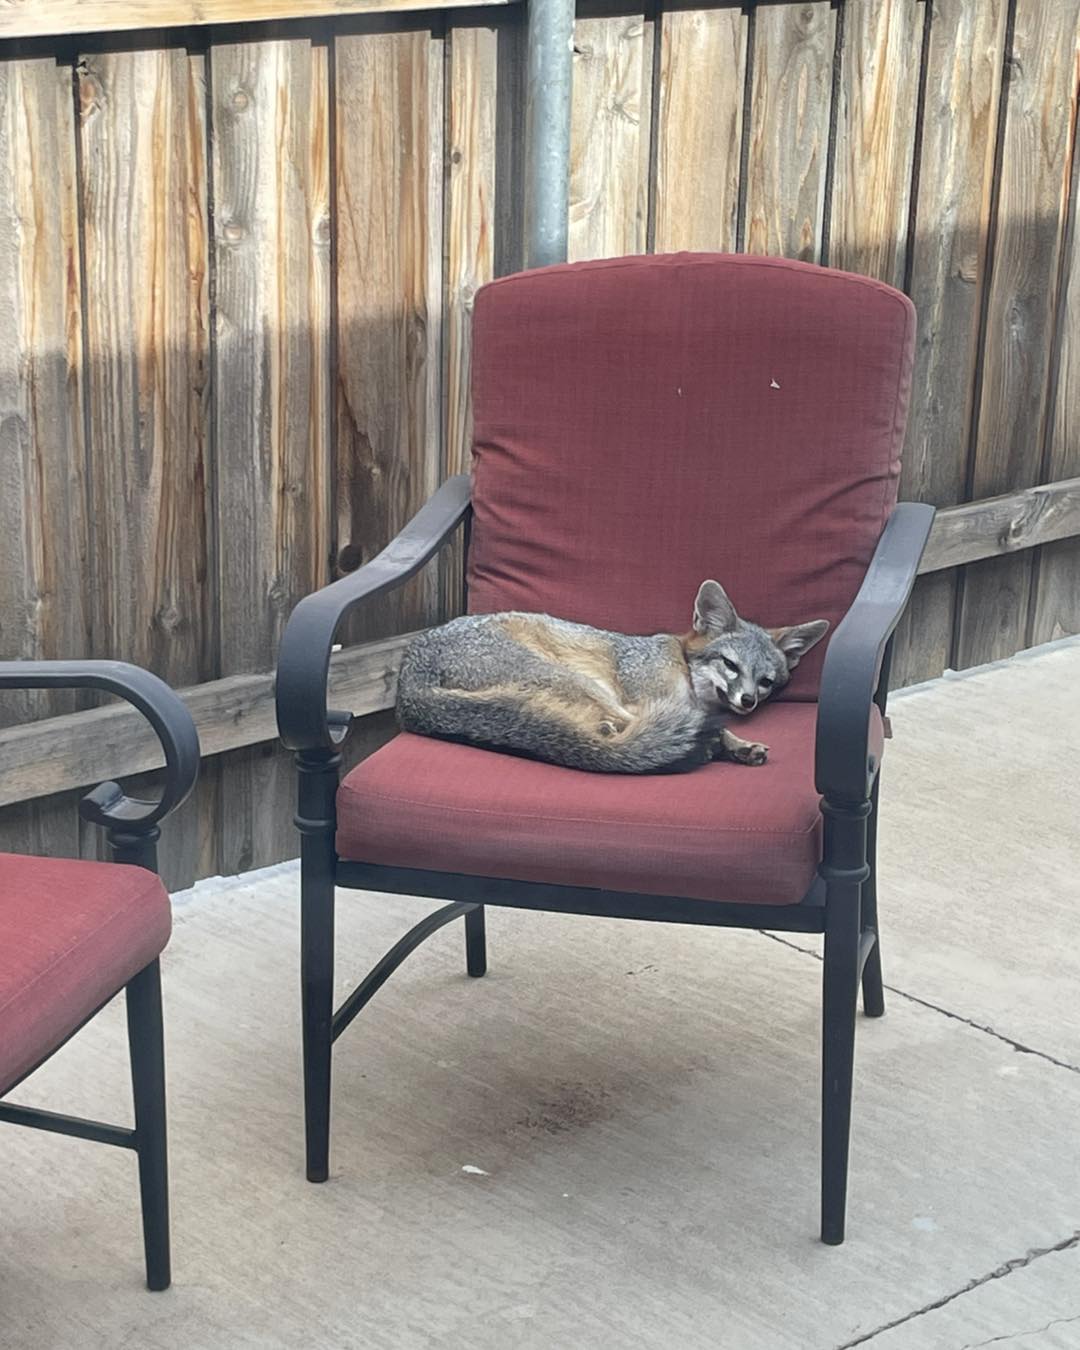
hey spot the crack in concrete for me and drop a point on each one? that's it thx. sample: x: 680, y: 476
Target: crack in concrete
x: 1021, y: 1335
x: 1007, y: 1268
x: 1018, y: 1046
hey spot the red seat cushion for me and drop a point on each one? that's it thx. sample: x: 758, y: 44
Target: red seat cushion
x: 71, y: 935
x: 722, y: 832
x: 643, y: 423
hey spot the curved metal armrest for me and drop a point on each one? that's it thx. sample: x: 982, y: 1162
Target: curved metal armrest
x: 107, y: 804
x: 842, y: 770
x: 304, y: 658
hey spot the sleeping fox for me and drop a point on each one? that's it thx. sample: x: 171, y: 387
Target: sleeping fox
x: 588, y: 699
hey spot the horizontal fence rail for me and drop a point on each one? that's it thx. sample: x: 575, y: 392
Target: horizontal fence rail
x: 53, y: 18
x: 73, y: 751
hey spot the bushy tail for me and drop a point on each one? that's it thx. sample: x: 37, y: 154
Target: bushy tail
x: 659, y: 736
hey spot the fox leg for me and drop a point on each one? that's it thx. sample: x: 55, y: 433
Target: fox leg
x: 741, y: 752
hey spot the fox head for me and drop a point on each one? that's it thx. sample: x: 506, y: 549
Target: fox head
x: 736, y: 664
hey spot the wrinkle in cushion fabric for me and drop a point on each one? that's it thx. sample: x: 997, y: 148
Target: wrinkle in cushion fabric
x: 643, y: 423
x: 72, y: 934
x: 722, y: 832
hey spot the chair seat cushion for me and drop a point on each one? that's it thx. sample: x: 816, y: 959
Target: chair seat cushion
x: 723, y: 832
x: 71, y: 935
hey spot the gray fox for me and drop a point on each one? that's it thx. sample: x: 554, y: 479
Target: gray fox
x: 588, y: 699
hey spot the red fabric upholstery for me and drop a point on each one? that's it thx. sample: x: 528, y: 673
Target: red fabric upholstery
x: 723, y: 832
x: 71, y: 935
x: 644, y: 423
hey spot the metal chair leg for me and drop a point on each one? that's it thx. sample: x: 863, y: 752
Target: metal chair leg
x: 316, y: 819
x: 844, y: 869
x: 873, y: 988
x: 145, y: 1039
x: 475, y: 942
x: 317, y: 993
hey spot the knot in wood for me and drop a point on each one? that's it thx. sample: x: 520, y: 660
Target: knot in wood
x: 168, y: 618
x: 350, y: 558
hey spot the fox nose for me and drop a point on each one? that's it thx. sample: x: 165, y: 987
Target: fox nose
x: 748, y: 701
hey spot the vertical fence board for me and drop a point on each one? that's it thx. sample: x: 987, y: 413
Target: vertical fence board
x: 389, y: 107
x: 470, y: 241
x: 144, y: 206
x: 271, y: 175
x: 44, y: 582
x: 1057, y: 597
x: 875, y: 134
x: 948, y: 273
x: 702, y: 78
x: 1033, y: 193
x: 609, y: 151
x: 789, y: 129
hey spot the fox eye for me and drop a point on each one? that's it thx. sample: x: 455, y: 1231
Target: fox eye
x: 765, y: 682
x: 730, y: 665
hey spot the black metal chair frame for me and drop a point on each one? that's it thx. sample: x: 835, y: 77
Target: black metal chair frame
x: 842, y: 903
x: 132, y: 829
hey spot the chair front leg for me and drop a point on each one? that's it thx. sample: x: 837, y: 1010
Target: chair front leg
x: 317, y: 822
x: 145, y: 1040
x: 844, y: 869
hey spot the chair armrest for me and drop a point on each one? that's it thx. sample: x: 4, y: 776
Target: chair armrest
x: 852, y: 671
x: 304, y: 657
x: 107, y: 804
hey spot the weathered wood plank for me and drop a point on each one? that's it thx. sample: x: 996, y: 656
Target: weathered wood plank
x: 1032, y: 198
x: 470, y: 240
x: 389, y: 103
x: 1056, y: 610
x: 44, y: 572
x: 1010, y: 523
x: 609, y: 142
x: 699, y: 137
x: 789, y: 128
x: 43, y: 18
x: 144, y: 202
x: 271, y: 172
x: 948, y: 274
x: 76, y: 749
x: 875, y: 135
x: 48, y: 828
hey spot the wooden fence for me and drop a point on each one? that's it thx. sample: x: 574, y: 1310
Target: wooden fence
x: 236, y: 271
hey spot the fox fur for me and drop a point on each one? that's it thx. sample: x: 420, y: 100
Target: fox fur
x: 589, y: 699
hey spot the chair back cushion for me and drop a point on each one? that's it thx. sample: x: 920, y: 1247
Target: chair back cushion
x: 643, y: 423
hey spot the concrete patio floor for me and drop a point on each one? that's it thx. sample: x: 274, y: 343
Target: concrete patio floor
x: 611, y: 1141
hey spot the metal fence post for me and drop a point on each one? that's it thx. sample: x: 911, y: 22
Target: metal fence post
x: 547, y: 129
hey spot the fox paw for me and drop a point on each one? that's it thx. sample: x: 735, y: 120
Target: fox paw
x: 749, y: 752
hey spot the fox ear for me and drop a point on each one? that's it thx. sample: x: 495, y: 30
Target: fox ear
x: 797, y: 640
x: 713, y: 611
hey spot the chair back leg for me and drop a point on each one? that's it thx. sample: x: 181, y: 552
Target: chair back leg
x: 475, y: 942
x: 844, y: 869
x: 145, y: 1040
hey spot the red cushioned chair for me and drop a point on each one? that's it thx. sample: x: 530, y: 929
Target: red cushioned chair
x: 73, y: 934
x: 641, y: 424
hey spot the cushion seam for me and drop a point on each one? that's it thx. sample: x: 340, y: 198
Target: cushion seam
x: 865, y: 283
